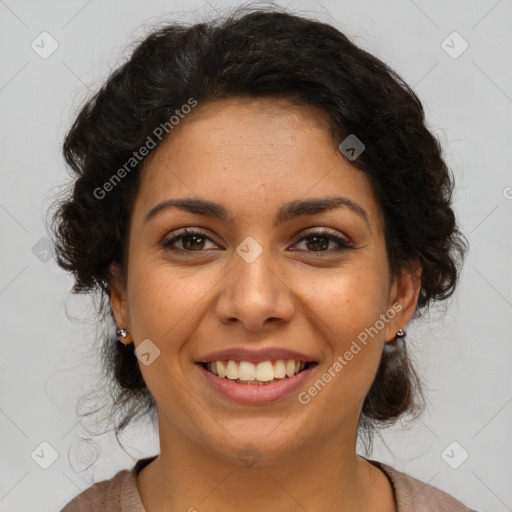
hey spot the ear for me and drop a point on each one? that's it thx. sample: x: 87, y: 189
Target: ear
x: 118, y: 296
x: 404, y: 294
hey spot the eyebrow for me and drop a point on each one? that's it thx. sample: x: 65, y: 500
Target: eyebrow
x: 288, y: 211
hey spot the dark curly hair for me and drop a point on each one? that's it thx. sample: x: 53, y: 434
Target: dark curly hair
x: 258, y: 52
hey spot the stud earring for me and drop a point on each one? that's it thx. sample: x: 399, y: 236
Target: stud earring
x: 123, y: 335
x: 400, y: 333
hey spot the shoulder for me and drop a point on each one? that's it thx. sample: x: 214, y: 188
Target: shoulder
x: 104, y: 495
x: 117, y: 494
x: 413, y: 495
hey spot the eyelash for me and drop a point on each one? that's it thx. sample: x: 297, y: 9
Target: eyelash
x: 327, y: 233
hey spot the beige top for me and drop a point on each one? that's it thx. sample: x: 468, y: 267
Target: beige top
x: 120, y: 493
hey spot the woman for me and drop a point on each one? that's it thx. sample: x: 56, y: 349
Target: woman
x: 264, y: 211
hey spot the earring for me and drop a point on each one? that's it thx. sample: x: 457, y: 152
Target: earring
x: 400, y: 333
x: 123, y: 334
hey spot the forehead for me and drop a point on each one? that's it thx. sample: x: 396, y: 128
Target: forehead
x: 237, y: 125
x: 252, y: 153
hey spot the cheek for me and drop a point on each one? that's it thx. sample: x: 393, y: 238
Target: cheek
x: 164, y: 309
x: 349, y: 307
x: 350, y: 301
x: 166, y: 303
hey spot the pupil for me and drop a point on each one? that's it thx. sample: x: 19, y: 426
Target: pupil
x: 189, y: 237
x: 322, y: 246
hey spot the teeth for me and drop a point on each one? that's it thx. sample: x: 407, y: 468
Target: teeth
x: 232, y: 370
x: 221, y: 368
x: 290, y: 368
x: 279, y: 369
x: 265, y: 371
x: 246, y: 371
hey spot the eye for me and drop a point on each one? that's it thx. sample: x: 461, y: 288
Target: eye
x: 191, y: 240
x: 319, y: 240
x: 194, y: 240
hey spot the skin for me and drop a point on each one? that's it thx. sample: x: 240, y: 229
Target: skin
x: 252, y: 157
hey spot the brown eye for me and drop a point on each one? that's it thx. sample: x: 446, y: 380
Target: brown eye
x: 318, y: 241
x: 193, y: 240
x: 190, y: 240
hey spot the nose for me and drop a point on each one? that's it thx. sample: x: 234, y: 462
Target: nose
x: 254, y: 294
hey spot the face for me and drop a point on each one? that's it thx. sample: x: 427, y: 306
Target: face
x: 278, y: 277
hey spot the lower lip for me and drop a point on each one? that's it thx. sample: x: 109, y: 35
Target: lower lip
x: 256, y: 394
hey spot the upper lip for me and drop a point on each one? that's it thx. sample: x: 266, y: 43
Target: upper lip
x: 255, y: 356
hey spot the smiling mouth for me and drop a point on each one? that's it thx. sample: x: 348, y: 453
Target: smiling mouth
x: 260, y: 374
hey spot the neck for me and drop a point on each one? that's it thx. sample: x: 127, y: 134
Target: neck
x: 186, y: 476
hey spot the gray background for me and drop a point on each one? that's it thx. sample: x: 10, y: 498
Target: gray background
x: 464, y: 354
